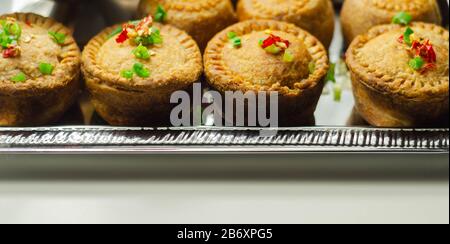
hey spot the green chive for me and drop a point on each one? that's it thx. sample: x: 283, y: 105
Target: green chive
x: 59, y: 38
x: 9, y: 32
x: 234, y: 39
x: 402, y: 18
x: 156, y: 36
x: 407, y: 36
x: 331, y: 73
x: 236, y: 42
x: 312, y: 67
x: 416, y: 63
x: 5, y: 40
x: 231, y: 35
x: 288, y: 57
x: 46, y: 68
x: 15, y: 30
x: 20, y: 77
x: 261, y: 42
x: 273, y: 49
x: 141, y: 52
x: 127, y: 74
x: 161, y: 14
x: 337, y: 91
x: 141, y: 71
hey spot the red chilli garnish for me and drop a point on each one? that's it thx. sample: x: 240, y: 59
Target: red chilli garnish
x: 427, y: 67
x: 274, y: 40
x: 123, y: 36
x: 424, y: 50
x: 10, y: 52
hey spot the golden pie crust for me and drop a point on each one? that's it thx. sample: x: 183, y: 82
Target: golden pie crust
x: 358, y: 16
x: 315, y: 16
x: 41, y: 99
x: 388, y: 92
x: 201, y: 19
x: 250, y: 68
x: 175, y: 65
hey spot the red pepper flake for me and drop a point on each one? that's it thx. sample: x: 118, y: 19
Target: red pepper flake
x: 10, y: 52
x: 275, y: 40
x: 424, y: 50
x: 123, y: 36
x: 427, y: 67
x: 144, y: 25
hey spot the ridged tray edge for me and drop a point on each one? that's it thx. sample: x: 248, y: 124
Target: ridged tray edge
x: 220, y: 140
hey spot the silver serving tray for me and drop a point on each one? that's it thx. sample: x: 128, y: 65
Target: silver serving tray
x: 338, y: 129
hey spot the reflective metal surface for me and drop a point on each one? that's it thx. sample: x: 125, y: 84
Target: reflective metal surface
x: 221, y: 140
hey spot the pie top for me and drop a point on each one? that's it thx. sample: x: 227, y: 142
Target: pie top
x: 279, y: 8
x: 250, y: 67
x: 175, y: 62
x: 382, y: 61
x: 37, y: 54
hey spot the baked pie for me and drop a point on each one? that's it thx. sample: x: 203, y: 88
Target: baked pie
x: 132, y: 70
x: 201, y: 19
x: 315, y: 16
x: 271, y: 56
x: 400, y: 75
x: 39, y: 70
x: 358, y: 16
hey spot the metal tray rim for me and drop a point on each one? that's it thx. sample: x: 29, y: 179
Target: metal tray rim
x: 198, y: 140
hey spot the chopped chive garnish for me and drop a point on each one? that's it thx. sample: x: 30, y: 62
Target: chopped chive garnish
x: 59, y: 38
x: 161, y: 14
x: 312, y: 67
x: 273, y: 49
x: 234, y: 39
x: 416, y: 63
x: 153, y: 39
x: 337, y: 91
x: 236, y: 42
x: 331, y: 73
x: 127, y: 74
x: 141, y: 52
x: 15, y: 29
x: 261, y: 42
x: 141, y: 71
x: 407, y: 36
x: 20, y: 77
x: 156, y: 36
x: 231, y: 35
x: 402, y: 18
x: 9, y: 33
x: 288, y: 57
x: 46, y: 68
